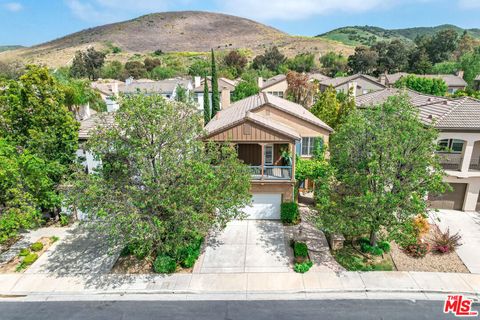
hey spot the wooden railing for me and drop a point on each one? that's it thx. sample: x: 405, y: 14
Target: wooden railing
x: 271, y: 172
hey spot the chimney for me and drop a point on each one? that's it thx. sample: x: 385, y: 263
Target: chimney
x: 460, y: 73
x: 129, y: 81
x: 353, y: 86
x: 260, y: 82
x: 115, y: 88
x: 225, y: 98
x: 197, y: 81
x: 383, y: 79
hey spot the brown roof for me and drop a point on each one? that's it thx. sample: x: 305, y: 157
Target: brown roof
x: 274, y: 80
x: 318, y: 76
x: 335, y: 82
x: 87, y: 125
x: 380, y: 96
x: 223, y: 83
x: 463, y: 113
x: 244, y: 109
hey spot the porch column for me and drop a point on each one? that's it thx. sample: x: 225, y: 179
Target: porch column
x: 263, y: 160
x: 471, y: 195
x: 467, y: 155
x: 292, y: 152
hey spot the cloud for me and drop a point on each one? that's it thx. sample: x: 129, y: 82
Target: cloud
x: 13, y: 6
x: 113, y: 10
x: 469, y: 4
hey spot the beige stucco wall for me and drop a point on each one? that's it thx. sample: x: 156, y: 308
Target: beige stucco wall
x: 277, y: 87
x: 285, y: 188
x: 470, y: 202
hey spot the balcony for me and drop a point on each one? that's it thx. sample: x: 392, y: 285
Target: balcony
x: 451, y: 161
x: 271, y: 172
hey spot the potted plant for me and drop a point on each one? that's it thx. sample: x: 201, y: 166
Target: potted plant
x: 286, y: 157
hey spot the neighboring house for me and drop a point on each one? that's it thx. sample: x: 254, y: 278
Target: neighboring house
x: 359, y: 83
x: 454, y: 82
x: 111, y: 89
x: 458, y: 121
x: 476, y: 82
x: 276, y: 85
x: 225, y: 89
x: 268, y: 131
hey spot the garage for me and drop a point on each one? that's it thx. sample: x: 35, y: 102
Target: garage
x: 452, y: 200
x: 265, y: 206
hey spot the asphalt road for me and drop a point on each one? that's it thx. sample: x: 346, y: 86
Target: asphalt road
x: 232, y: 310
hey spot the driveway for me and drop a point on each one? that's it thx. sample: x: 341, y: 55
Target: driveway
x: 468, y: 225
x: 247, y: 246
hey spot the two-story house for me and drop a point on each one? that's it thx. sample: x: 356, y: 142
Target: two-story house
x: 458, y: 122
x: 359, y: 83
x: 225, y: 89
x: 268, y: 131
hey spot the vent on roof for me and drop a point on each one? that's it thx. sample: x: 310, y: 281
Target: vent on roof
x: 429, y: 99
x: 430, y: 117
x: 445, y: 102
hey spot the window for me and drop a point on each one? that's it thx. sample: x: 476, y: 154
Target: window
x: 276, y: 93
x: 450, y: 145
x: 268, y: 154
x: 308, y: 145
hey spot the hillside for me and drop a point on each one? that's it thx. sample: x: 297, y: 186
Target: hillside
x: 188, y: 31
x: 7, y: 48
x: 367, y: 35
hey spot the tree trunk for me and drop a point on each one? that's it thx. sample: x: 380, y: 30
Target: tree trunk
x: 373, y: 238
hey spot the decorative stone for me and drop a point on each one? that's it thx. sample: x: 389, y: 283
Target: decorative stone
x: 336, y: 241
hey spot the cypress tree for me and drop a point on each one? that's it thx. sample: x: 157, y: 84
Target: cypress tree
x: 206, y: 102
x: 215, y: 94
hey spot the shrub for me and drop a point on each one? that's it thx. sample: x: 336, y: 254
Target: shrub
x: 30, y: 258
x: 24, y: 252
x: 189, y: 254
x: 116, y: 50
x: 365, y: 247
x: 289, y: 212
x: 64, y: 220
x: 300, y: 249
x: 164, y: 264
x: 54, y: 238
x: 303, y: 267
x: 37, y: 246
x: 443, y: 242
x: 385, y: 246
x: 418, y: 250
x: 421, y: 226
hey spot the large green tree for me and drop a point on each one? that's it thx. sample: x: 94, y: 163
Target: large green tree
x: 159, y: 185
x: 215, y: 93
x: 364, y: 60
x: 332, y: 107
x: 434, y: 86
x: 207, y: 113
x: 384, y: 168
x: 87, y: 64
x: 272, y: 59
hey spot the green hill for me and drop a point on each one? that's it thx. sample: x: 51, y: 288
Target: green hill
x: 367, y: 35
x: 6, y: 48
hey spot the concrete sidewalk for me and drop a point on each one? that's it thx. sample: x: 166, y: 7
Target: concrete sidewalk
x: 412, y: 284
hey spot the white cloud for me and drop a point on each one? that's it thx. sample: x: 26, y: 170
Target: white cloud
x: 469, y: 4
x: 299, y: 9
x: 13, y: 6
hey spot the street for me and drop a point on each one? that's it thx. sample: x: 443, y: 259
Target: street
x: 212, y: 310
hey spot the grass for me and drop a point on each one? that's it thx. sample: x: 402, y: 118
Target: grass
x: 352, y: 260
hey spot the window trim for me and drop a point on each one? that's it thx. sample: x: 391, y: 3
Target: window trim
x: 449, y: 147
x: 265, y: 154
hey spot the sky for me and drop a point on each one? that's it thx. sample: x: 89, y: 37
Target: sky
x: 29, y: 22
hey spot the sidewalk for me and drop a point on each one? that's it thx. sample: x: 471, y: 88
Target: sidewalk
x: 414, y: 285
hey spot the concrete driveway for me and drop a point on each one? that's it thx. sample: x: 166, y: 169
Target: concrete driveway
x: 247, y: 246
x: 468, y: 225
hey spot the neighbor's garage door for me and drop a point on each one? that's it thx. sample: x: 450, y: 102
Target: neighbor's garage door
x: 264, y: 206
x: 450, y: 200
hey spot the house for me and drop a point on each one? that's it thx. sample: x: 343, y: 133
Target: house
x: 359, y: 83
x: 268, y: 131
x: 278, y: 84
x: 109, y: 89
x: 476, y: 83
x: 225, y: 89
x: 454, y: 82
x: 458, y: 121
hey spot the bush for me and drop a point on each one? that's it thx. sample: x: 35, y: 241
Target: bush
x: 24, y: 252
x: 365, y: 247
x: 161, y: 73
x: 443, y: 242
x: 189, y: 254
x: 30, y: 258
x: 64, y: 220
x: 54, y: 238
x: 289, y: 212
x: 300, y: 249
x: 421, y: 226
x: 37, y: 246
x: 303, y: 267
x: 164, y: 264
x: 385, y: 246
x: 418, y: 250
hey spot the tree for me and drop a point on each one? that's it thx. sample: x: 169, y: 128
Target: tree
x: 199, y: 67
x: 466, y: 44
x: 470, y: 63
x: 392, y: 56
x: 333, y: 63
x: 160, y: 187
x: 419, y: 62
x: 87, y: 64
x: 151, y: 64
x: 331, y: 107
x: 384, y: 169
x: 364, y: 60
x: 207, y: 113
x: 303, y: 62
x: 79, y: 93
x: 442, y: 45
x: 434, y: 86
x: 245, y: 88
x: 236, y: 60
x: 215, y: 93
x: 135, y: 69
x: 113, y: 70
x: 272, y: 59
x: 300, y: 89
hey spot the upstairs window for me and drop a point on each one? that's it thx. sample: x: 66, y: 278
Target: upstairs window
x: 450, y: 146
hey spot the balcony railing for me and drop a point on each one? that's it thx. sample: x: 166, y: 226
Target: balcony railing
x: 475, y: 164
x: 271, y: 172
x: 451, y: 161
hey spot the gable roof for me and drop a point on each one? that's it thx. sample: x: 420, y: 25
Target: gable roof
x: 380, y: 96
x: 318, y: 76
x: 273, y: 80
x: 223, y: 83
x: 87, y: 125
x: 161, y: 86
x: 243, y: 110
x: 335, y: 82
x: 450, y: 79
x: 463, y: 113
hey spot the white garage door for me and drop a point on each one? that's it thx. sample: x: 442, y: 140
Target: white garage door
x: 264, y: 206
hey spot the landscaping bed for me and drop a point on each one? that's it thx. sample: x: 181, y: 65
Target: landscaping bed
x: 432, y: 262
x: 302, y: 259
x: 28, y: 256
x: 358, y: 257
